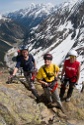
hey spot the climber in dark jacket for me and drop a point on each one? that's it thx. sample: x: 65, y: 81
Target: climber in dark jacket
x: 27, y: 62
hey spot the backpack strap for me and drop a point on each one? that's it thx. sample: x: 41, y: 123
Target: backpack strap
x: 47, y: 73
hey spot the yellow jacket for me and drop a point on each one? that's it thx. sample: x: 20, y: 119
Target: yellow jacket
x: 52, y: 70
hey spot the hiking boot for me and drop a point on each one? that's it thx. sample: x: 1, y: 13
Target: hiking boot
x: 38, y: 99
x: 67, y: 99
x: 49, y: 105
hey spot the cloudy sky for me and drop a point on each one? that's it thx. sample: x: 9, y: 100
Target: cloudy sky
x: 12, y: 5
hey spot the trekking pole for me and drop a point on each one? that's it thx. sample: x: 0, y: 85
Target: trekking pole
x: 82, y: 87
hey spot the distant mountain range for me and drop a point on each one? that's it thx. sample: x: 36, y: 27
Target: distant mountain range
x: 33, y: 15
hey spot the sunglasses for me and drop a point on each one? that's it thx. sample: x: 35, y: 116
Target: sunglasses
x: 47, y: 58
x: 72, y: 56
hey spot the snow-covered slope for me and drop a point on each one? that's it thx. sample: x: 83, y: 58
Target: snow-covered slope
x: 2, y: 17
x: 70, y: 4
x: 59, y: 33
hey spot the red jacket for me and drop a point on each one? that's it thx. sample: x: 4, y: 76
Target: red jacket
x: 71, y: 69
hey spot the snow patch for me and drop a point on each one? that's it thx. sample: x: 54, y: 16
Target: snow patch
x: 0, y: 16
x: 67, y: 25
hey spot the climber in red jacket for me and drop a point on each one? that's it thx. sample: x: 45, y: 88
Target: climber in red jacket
x: 71, y: 73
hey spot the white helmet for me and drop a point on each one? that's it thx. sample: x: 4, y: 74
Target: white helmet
x: 72, y: 53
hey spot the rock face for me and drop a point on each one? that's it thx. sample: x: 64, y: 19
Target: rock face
x: 18, y: 106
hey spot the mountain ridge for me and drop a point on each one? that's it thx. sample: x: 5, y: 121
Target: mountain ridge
x: 11, y: 33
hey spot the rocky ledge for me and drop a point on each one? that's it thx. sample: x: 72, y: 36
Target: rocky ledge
x: 19, y: 107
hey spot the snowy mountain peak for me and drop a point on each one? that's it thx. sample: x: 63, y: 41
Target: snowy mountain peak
x: 2, y: 17
x: 33, y: 15
x: 70, y: 3
x: 33, y: 9
x: 41, y: 5
x: 73, y: 1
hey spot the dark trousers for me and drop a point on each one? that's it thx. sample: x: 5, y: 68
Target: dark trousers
x: 63, y: 88
x: 31, y: 84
